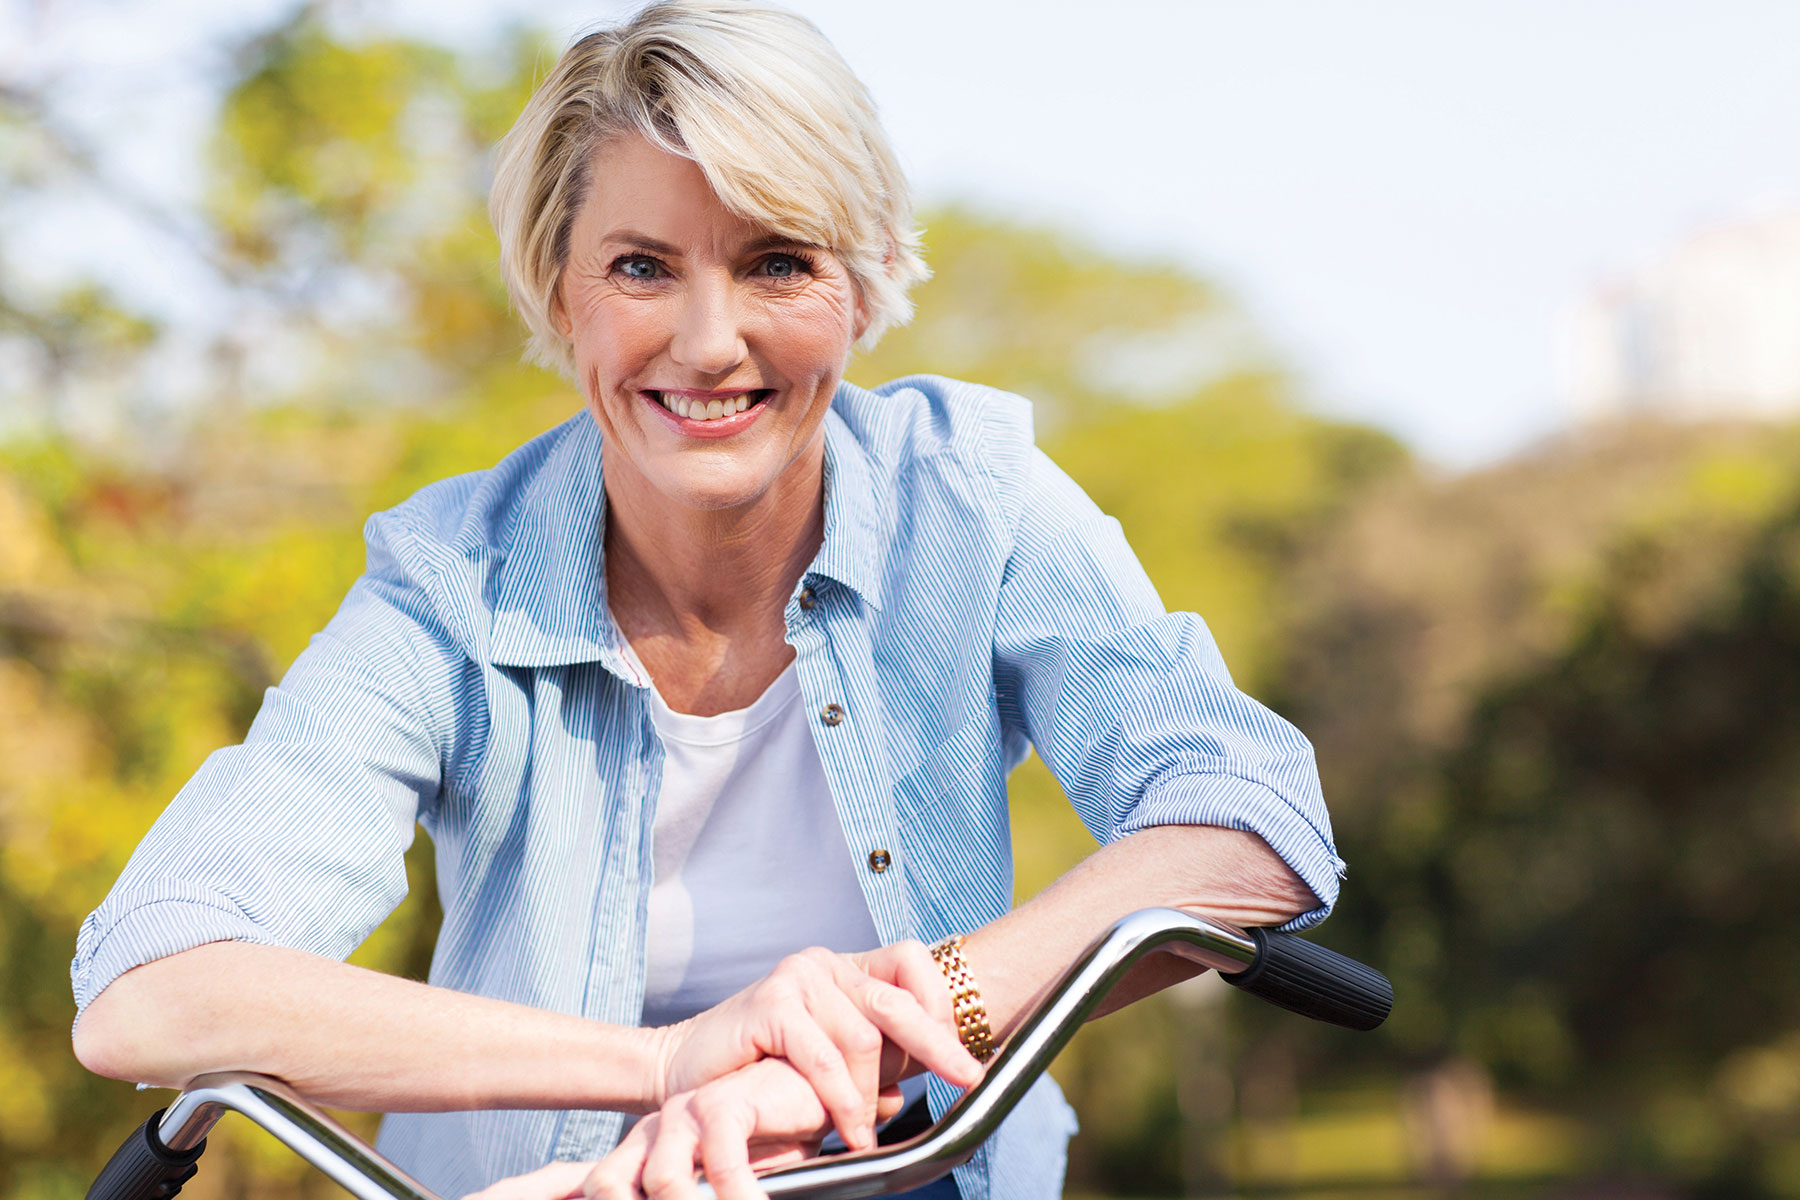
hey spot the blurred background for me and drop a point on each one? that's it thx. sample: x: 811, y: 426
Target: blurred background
x: 1446, y: 358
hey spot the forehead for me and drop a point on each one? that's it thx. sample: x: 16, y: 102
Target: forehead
x: 640, y: 187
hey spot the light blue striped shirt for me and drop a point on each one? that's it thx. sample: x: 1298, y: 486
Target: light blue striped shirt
x: 968, y: 603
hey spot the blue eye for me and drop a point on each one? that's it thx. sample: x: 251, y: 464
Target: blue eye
x: 636, y: 266
x: 786, y: 266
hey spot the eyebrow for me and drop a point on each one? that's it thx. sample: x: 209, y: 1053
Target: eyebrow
x: 642, y: 241
x: 779, y: 241
x: 772, y: 241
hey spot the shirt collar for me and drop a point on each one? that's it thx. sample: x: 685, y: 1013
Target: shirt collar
x: 550, y: 593
x: 857, y: 505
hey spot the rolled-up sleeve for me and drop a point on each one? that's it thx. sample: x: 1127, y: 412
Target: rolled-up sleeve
x: 296, y: 837
x: 1132, y: 707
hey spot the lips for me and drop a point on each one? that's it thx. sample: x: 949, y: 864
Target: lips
x: 709, y: 406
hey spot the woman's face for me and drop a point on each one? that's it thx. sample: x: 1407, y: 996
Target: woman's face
x: 707, y: 348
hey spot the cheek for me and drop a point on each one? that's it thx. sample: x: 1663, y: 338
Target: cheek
x: 616, y: 336
x: 814, y: 330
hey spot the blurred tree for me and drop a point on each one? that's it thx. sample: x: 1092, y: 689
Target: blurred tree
x: 1554, y: 705
x: 1549, y: 699
x: 1631, y: 847
x: 1046, y: 314
x: 154, y: 588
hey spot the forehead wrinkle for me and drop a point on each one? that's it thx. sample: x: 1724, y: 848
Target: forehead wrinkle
x: 664, y: 204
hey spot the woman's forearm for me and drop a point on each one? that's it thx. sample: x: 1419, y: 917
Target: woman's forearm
x: 1211, y: 871
x: 352, y: 1038
x: 357, y: 1039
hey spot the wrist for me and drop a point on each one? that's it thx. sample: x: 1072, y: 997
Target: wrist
x: 661, y: 1045
x: 1012, y: 973
x: 968, y: 1011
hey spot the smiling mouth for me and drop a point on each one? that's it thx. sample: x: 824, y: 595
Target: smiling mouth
x: 710, y: 408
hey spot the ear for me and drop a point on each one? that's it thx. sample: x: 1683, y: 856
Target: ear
x: 859, y: 322
x: 862, y: 299
x: 559, y: 313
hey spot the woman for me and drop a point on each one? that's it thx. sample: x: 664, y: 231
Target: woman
x: 730, y: 665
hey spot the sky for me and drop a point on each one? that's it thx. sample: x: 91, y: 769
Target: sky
x: 1405, y: 196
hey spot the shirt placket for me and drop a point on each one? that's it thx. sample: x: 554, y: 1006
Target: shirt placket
x: 614, y: 990
x: 837, y: 683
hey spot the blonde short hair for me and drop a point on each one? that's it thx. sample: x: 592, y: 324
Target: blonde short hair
x: 787, y: 136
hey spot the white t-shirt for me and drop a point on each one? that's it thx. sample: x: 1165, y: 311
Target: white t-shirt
x: 750, y: 856
x: 751, y: 861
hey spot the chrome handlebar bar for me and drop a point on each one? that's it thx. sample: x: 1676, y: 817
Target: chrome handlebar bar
x: 159, y: 1157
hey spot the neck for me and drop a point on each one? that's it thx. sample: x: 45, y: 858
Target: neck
x: 699, y: 574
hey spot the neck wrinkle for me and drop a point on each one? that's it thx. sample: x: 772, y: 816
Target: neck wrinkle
x: 683, y: 571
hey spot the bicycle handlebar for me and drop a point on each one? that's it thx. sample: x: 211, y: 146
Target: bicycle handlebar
x: 1285, y: 970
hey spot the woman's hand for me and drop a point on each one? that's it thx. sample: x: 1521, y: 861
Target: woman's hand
x: 827, y: 1015
x: 557, y: 1181
x: 761, y: 1116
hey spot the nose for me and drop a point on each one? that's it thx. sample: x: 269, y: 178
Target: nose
x: 708, y: 335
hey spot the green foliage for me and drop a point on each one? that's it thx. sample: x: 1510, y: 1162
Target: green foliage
x: 1577, y: 866
x: 1630, y: 812
x: 1215, y: 494
x: 1550, y: 700
x: 1038, y: 312
x: 315, y: 136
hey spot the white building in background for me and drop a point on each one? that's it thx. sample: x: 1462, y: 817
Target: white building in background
x: 1712, y: 328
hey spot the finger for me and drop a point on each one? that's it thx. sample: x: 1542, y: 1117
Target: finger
x: 669, y: 1167
x: 725, y: 1130
x: 921, y: 977
x: 889, y: 1103
x: 837, y: 1001
x: 786, y: 1154
x: 909, y: 965
x: 557, y: 1181
x: 838, y: 1053
x: 618, y: 1176
x: 897, y: 1012
x: 820, y: 1061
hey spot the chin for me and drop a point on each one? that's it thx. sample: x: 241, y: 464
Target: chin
x: 713, y: 490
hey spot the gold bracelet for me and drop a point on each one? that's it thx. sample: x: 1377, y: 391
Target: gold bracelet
x: 965, y: 998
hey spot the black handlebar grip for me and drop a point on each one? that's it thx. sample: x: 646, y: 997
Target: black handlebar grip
x: 1304, y: 977
x: 145, y: 1169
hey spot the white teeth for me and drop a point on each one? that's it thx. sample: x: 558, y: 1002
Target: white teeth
x: 705, y: 410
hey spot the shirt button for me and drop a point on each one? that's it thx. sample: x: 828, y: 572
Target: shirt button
x: 832, y: 714
x: 808, y: 600
x: 880, y: 860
